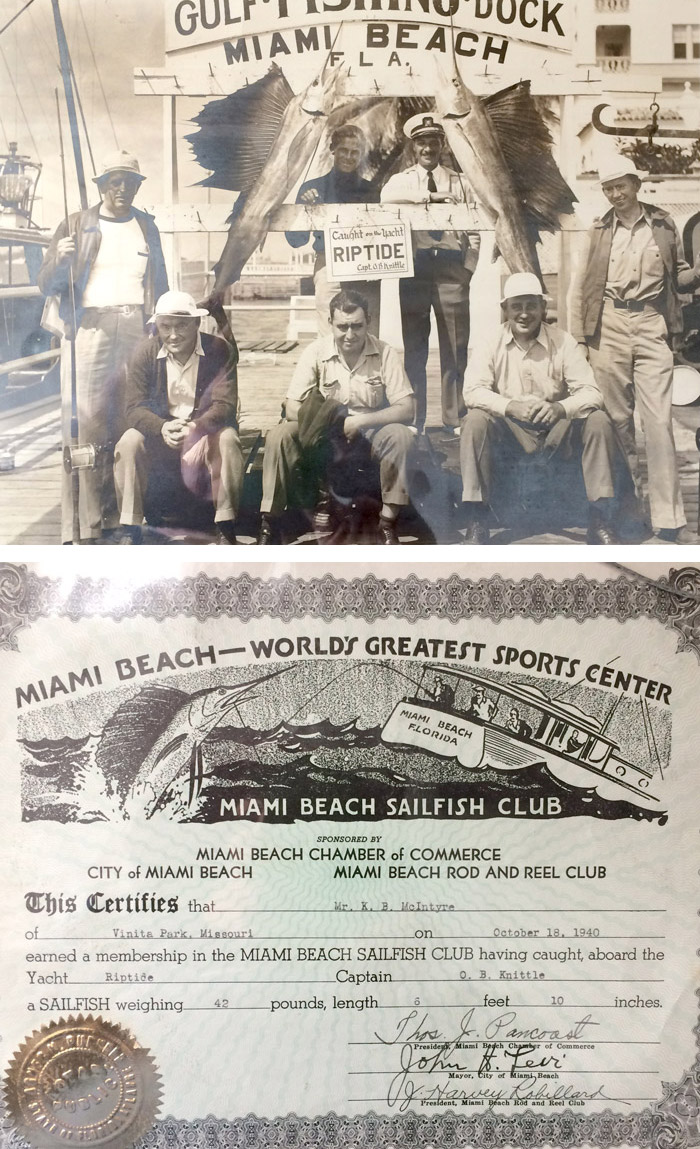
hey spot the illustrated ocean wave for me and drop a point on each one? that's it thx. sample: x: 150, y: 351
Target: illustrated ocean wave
x: 293, y: 737
x: 321, y: 760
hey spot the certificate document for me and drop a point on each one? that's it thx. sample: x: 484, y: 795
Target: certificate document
x: 365, y: 855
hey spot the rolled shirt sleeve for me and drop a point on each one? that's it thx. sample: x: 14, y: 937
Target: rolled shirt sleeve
x: 396, y: 382
x: 403, y: 187
x: 306, y: 373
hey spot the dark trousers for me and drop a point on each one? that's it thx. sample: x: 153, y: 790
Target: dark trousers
x: 441, y: 283
x: 488, y: 441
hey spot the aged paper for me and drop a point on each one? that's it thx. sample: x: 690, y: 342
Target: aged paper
x: 343, y: 855
x: 233, y: 106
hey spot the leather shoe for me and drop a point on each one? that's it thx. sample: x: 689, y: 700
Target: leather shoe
x: 476, y: 534
x: 268, y: 534
x: 226, y: 533
x: 670, y: 534
x: 386, y: 532
x: 600, y: 535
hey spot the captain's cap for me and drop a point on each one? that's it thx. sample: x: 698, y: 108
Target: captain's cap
x: 522, y: 283
x: 424, y: 124
x: 119, y: 162
x: 178, y: 303
x: 617, y: 167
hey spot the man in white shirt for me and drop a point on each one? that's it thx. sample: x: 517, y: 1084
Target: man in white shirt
x: 106, y: 267
x: 353, y: 389
x: 529, y: 390
x: 181, y: 412
x: 443, y: 264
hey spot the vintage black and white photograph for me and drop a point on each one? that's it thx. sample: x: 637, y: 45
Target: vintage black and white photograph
x: 313, y: 272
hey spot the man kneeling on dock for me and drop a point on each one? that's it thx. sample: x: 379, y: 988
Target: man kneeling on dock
x: 181, y: 414
x: 349, y: 400
x: 530, y: 391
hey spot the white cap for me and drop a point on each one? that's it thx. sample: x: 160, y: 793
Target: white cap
x: 119, y: 162
x: 616, y: 167
x: 424, y: 124
x: 522, y: 283
x: 178, y: 303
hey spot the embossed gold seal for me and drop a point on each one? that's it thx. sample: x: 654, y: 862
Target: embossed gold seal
x: 83, y: 1080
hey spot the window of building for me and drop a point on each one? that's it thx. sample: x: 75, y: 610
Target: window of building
x: 613, y: 47
x: 686, y: 41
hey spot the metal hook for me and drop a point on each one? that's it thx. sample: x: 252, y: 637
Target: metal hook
x: 649, y: 131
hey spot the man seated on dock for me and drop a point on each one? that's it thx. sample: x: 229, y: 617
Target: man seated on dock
x: 530, y: 391
x: 349, y: 400
x: 181, y: 414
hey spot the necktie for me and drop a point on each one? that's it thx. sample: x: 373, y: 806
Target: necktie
x: 432, y: 187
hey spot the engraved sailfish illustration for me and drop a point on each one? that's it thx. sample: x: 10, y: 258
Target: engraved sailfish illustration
x: 155, y: 739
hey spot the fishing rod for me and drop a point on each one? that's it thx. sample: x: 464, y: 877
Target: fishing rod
x: 76, y: 457
x: 70, y: 449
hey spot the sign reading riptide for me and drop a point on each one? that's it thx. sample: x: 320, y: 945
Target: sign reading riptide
x: 374, y: 251
x: 295, y: 25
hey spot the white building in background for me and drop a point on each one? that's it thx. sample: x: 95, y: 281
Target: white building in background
x: 641, y: 36
x: 646, y: 52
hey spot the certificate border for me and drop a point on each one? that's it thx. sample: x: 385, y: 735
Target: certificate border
x: 674, y: 601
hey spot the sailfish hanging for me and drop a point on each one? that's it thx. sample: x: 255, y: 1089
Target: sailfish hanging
x: 261, y: 140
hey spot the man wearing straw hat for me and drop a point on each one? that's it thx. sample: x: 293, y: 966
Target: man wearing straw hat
x: 530, y: 391
x: 181, y: 414
x: 626, y: 309
x: 114, y: 254
x: 443, y: 264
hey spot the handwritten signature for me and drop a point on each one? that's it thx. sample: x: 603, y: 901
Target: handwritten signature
x: 425, y: 1050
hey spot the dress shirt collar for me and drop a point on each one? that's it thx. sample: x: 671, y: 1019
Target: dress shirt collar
x: 329, y: 351
x: 542, y: 337
x: 643, y: 217
x: 437, y: 173
x: 163, y: 353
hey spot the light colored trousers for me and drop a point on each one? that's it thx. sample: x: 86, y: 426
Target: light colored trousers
x: 391, y: 445
x: 104, y: 343
x: 133, y: 458
x: 633, y: 365
x: 483, y: 433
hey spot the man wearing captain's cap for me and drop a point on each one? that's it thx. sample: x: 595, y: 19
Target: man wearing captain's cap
x: 444, y: 262
x: 114, y: 254
x: 626, y: 309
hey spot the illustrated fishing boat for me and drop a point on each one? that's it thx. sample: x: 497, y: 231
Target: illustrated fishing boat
x: 512, y: 725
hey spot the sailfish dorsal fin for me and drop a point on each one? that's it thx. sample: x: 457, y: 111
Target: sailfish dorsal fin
x: 134, y: 728
x: 236, y: 134
x: 526, y: 144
